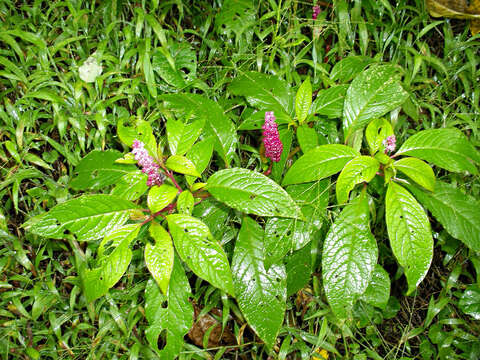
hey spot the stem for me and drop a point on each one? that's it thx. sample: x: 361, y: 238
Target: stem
x: 171, y: 177
x: 269, y: 170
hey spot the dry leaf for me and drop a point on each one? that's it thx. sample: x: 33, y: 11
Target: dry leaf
x: 457, y: 9
x: 322, y: 353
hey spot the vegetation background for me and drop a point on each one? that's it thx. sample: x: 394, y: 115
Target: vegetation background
x: 50, y: 118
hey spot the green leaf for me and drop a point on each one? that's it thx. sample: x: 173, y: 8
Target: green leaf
x: 182, y: 165
x: 214, y: 214
x: 299, y: 269
x: 98, y: 281
x: 89, y: 217
x: 131, y: 186
x: 217, y: 124
x: 175, y: 319
x: 261, y: 295
x: 319, y: 163
x: 252, y: 193
x: 349, y: 257
x: 159, y: 257
x: 149, y: 75
x: 329, y: 102
x: 409, y: 233
x: 469, y: 303
x: 172, y: 68
x: 202, y: 253
x: 286, y: 137
x: 115, y: 238
x: 446, y: 148
x: 417, y: 170
x: 307, y: 138
x: 358, y: 170
x: 160, y: 196
x: 200, y: 155
x: 98, y: 170
x: 345, y: 70
x: 185, y: 202
x: 283, y: 235
x: 458, y: 213
x: 378, y: 291
x: 377, y: 131
x: 303, y: 100
x: 181, y: 136
x: 372, y: 93
x: 265, y: 92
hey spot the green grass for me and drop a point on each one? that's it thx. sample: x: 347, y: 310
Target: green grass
x: 49, y: 119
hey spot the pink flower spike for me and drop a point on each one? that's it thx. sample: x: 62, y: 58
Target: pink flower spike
x: 390, y: 143
x: 147, y: 163
x: 271, y: 140
x: 316, y: 11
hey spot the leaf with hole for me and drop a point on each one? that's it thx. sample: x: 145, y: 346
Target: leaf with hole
x: 376, y: 133
x: 159, y: 256
x: 409, y: 232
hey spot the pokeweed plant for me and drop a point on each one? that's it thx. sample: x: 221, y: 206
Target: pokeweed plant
x: 164, y: 201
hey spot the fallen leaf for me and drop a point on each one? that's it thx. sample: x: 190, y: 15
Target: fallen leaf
x: 90, y: 70
x: 457, y: 9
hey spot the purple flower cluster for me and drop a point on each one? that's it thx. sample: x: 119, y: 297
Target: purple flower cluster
x: 316, y: 11
x: 390, y: 143
x: 271, y: 140
x: 147, y: 163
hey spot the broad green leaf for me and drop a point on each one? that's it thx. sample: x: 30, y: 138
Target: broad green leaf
x: 252, y: 193
x: 372, y: 94
x: 469, y: 303
x: 286, y: 137
x: 185, y: 202
x: 182, y: 165
x: 98, y: 170
x: 200, y: 155
x: 349, y: 257
x: 346, y: 69
x: 329, y: 102
x: 417, y: 170
x: 446, y: 148
x: 214, y: 214
x: 160, y: 196
x: 115, y: 237
x: 377, y: 131
x: 458, y: 213
x: 171, y: 68
x: 409, y: 233
x: 175, y: 319
x: 237, y: 16
x: 202, y: 253
x: 307, y: 138
x: 299, y: 269
x: 261, y: 295
x: 303, y: 100
x: 131, y: 186
x: 358, y: 170
x: 283, y: 235
x: 319, y: 163
x: 98, y: 281
x: 217, y: 124
x: 265, y: 92
x: 159, y: 257
x: 89, y: 217
x: 182, y: 136
x: 142, y: 131
x: 378, y: 290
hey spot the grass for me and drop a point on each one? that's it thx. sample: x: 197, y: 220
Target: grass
x: 49, y: 119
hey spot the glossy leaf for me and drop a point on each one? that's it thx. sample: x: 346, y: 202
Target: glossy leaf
x: 202, y: 253
x: 252, y: 193
x: 89, y: 217
x: 378, y: 290
x: 98, y: 170
x: 469, y: 303
x: 171, y: 66
x: 458, y: 213
x: 200, y: 155
x: 261, y: 295
x: 182, y: 165
x: 418, y: 171
x: 131, y: 186
x: 217, y: 124
x: 299, y: 269
x: 446, y: 148
x: 358, y: 170
x: 349, y: 257
x: 175, y: 319
x: 160, y: 196
x: 319, y: 163
x: 329, y: 102
x: 303, y: 100
x: 159, y: 257
x: 376, y: 133
x: 185, y: 202
x: 182, y: 136
x: 372, y: 94
x: 346, y: 69
x: 307, y: 138
x: 409, y: 233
